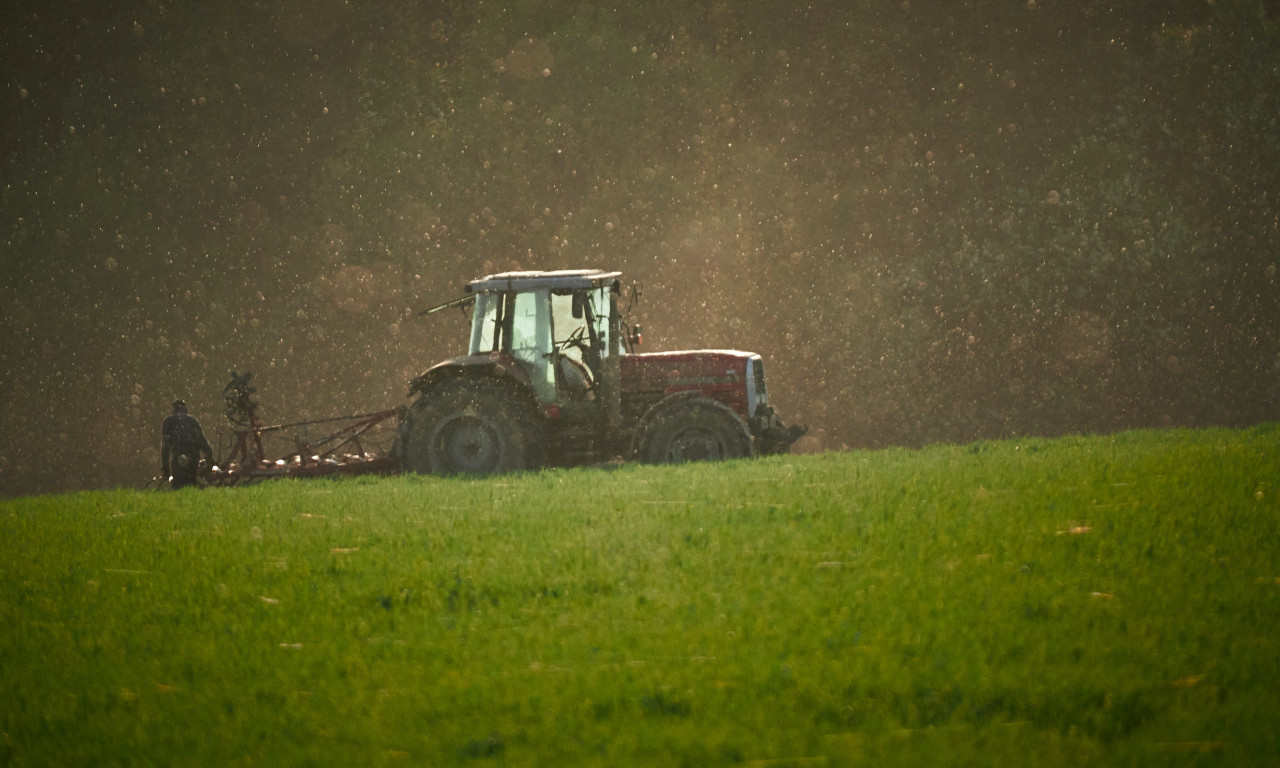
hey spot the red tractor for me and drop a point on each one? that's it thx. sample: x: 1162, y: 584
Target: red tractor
x: 552, y: 377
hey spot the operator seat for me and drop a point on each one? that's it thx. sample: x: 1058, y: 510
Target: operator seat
x: 575, y: 379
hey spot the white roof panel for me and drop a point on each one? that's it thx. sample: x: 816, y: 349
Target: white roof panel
x: 562, y: 278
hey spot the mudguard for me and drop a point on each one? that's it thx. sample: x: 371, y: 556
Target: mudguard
x: 646, y: 420
x: 496, y: 365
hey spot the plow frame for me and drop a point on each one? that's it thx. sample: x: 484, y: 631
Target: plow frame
x: 341, y: 452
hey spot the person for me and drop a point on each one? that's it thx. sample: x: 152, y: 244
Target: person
x: 181, y: 444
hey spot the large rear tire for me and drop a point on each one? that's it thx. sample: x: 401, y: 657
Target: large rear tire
x: 694, y: 429
x: 470, y: 427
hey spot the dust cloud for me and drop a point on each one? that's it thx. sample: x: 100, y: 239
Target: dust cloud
x: 937, y: 222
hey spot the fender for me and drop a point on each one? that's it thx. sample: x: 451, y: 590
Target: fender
x: 496, y: 365
x: 646, y: 420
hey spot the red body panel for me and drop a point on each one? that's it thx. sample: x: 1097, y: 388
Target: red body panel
x: 719, y: 374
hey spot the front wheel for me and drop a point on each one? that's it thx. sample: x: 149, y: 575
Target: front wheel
x: 694, y: 429
x: 469, y: 428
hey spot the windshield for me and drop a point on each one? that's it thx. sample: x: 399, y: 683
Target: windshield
x: 579, y: 314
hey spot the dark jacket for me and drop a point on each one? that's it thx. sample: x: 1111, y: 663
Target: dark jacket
x: 181, y: 435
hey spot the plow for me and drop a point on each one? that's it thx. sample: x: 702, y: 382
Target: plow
x: 355, y: 444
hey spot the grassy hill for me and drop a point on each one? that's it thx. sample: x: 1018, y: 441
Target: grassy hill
x: 1110, y: 600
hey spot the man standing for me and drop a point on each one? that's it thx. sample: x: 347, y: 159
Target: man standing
x: 182, y: 442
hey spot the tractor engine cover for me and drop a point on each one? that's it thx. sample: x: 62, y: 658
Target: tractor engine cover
x: 732, y: 377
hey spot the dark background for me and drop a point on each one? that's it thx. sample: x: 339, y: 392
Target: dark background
x: 938, y: 221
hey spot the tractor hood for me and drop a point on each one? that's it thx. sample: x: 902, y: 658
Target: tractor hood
x: 718, y: 373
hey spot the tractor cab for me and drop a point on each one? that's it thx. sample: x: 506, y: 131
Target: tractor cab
x: 548, y: 379
x: 562, y: 330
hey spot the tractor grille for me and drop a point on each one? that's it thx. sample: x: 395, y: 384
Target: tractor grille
x: 757, y: 395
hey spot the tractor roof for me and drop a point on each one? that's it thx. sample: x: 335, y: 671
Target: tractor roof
x: 525, y: 281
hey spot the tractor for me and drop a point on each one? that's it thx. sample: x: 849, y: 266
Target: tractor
x: 553, y: 377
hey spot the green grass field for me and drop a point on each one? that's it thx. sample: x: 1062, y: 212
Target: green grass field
x: 1105, y: 600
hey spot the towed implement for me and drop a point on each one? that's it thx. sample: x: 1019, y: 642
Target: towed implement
x: 358, y: 444
x: 552, y: 376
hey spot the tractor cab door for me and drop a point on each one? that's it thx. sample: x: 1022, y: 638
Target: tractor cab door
x: 580, y: 338
x: 518, y: 323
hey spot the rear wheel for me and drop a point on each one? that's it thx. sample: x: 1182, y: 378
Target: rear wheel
x: 464, y: 427
x: 695, y: 429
